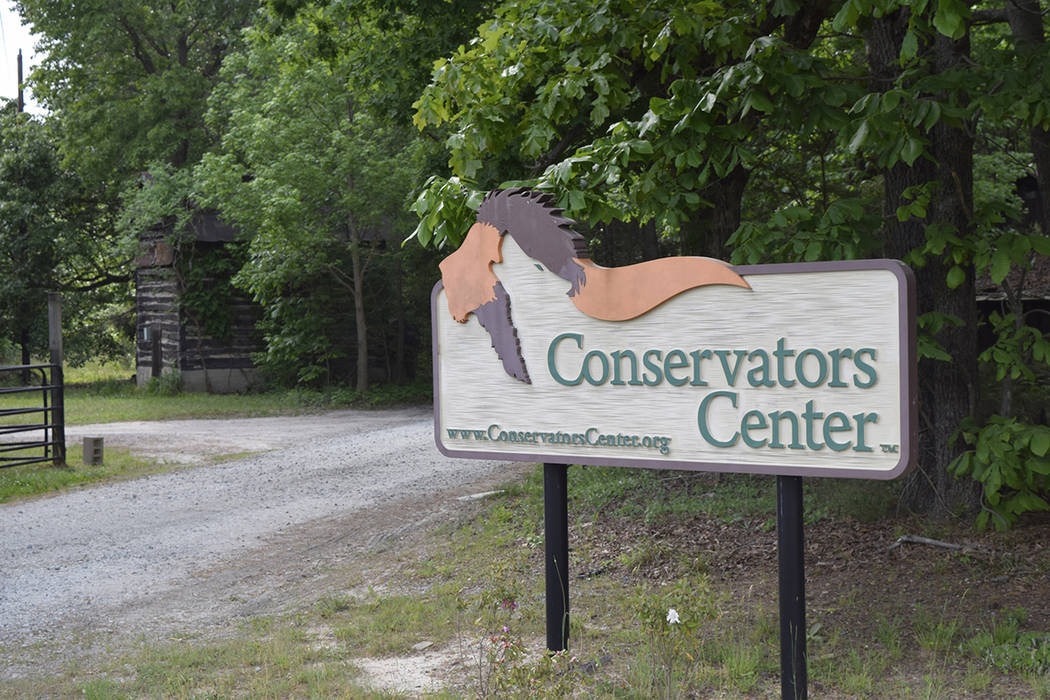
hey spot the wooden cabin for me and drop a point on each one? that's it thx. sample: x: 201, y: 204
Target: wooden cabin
x: 168, y: 338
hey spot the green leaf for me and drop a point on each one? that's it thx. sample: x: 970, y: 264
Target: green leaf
x: 422, y: 234
x: 847, y: 16
x: 891, y: 99
x: 576, y: 200
x: 930, y: 349
x: 1000, y: 266
x: 911, y: 151
x: 992, y: 486
x: 950, y: 18
x: 961, y: 464
x: 641, y: 146
x: 956, y: 276
x: 760, y: 102
x: 858, y: 138
x: 649, y: 120
x: 909, y: 46
x: 599, y: 112
x: 1040, y: 443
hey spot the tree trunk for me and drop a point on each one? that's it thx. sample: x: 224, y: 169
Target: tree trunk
x: 23, y: 339
x: 649, y: 238
x: 947, y: 390
x: 1026, y: 23
x: 707, y: 235
x: 360, y: 324
x: 399, y: 343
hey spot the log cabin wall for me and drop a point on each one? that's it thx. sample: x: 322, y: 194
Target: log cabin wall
x: 168, y: 340
x: 220, y: 365
x: 157, y: 327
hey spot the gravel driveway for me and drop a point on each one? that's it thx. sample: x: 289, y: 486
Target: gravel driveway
x: 196, y: 546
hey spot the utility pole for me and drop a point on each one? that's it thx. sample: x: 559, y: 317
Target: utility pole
x: 21, y: 99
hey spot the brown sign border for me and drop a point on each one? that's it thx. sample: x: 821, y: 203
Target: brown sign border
x: 906, y: 318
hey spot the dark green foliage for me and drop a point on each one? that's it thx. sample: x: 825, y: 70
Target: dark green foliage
x: 751, y: 131
x: 1010, y: 461
x: 126, y: 83
x: 316, y: 165
x: 208, y: 294
x: 31, y: 184
x: 129, y: 80
x: 50, y: 231
x: 774, y: 133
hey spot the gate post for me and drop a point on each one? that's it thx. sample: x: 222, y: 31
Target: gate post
x: 58, y: 402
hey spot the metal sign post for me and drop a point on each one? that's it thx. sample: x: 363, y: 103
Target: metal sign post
x: 556, y: 542
x: 792, y: 573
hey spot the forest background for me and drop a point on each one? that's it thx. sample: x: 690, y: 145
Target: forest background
x: 350, y: 141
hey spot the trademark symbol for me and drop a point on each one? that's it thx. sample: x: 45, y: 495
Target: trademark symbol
x: 889, y: 448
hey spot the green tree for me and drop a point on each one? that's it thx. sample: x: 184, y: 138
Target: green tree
x: 30, y: 181
x: 316, y: 172
x: 47, y: 241
x: 129, y: 80
x: 126, y: 84
x: 772, y: 131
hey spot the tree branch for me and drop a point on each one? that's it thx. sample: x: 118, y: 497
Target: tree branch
x: 87, y: 285
x: 218, y: 51
x: 916, y: 539
x: 990, y: 16
x: 554, y: 154
x: 136, y: 46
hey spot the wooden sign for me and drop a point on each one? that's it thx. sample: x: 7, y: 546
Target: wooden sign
x: 688, y: 363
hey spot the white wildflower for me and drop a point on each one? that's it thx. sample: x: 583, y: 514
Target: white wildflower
x: 672, y: 616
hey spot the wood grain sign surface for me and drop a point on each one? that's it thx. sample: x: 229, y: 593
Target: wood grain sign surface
x: 799, y: 369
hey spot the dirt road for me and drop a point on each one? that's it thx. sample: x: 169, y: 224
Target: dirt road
x: 197, y: 546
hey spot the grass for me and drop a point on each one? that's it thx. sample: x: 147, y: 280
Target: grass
x: 111, y: 401
x: 97, y: 393
x: 36, y: 479
x: 642, y: 542
x: 474, y: 589
x: 1005, y: 647
x: 384, y: 625
x: 278, y: 661
x: 95, y: 372
x: 732, y: 498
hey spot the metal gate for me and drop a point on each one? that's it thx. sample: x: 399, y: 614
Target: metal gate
x: 32, y: 430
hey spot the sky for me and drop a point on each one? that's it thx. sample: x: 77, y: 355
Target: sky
x: 13, y: 37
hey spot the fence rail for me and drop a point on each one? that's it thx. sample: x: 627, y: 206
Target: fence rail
x: 46, y: 438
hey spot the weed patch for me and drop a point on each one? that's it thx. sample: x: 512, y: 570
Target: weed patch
x: 1008, y: 649
x: 392, y: 624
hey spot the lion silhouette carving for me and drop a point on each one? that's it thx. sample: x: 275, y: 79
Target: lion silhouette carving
x: 605, y: 293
